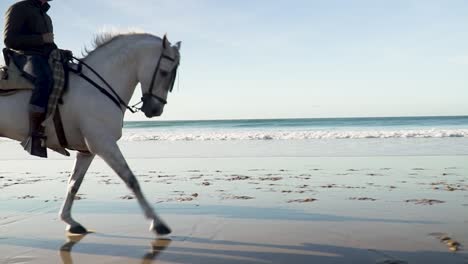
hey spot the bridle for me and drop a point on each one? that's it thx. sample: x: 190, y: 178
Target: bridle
x: 114, y: 97
x: 148, y: 95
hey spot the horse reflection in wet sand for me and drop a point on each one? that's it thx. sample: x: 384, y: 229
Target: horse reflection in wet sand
x: 157, y: 246
x: 92, y: 122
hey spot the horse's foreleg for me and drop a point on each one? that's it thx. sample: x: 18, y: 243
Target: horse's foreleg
x: 112, y: 155
x: 83, y: 160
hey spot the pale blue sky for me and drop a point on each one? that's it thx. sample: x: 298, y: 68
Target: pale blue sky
x: 278, y: 59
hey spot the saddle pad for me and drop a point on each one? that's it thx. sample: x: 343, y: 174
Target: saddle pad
x: 55, y: 62
x: 12, y: 79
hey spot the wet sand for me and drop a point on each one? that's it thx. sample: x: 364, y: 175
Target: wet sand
x: 241, y: 210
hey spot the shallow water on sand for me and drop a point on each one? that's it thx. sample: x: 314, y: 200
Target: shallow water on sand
x: 240, y: 209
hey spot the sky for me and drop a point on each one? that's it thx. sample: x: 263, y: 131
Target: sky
x: 294, y: 58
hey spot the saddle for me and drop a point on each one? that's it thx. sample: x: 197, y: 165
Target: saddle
x: 14, y: 80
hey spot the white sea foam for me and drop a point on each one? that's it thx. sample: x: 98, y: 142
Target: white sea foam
x: 223, y: 135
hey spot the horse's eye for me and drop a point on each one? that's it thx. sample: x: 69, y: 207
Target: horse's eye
x: 164, y: 73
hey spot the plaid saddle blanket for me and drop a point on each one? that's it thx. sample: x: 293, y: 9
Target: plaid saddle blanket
x: 56, y: 62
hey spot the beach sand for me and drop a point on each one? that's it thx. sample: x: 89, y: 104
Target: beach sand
x: 248, y: 209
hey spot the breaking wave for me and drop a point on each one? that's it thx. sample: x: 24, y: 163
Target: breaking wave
x: 153, y: 135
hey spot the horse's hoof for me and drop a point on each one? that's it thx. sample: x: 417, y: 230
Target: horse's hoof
x: 161, y: 229
x: 79, y: 230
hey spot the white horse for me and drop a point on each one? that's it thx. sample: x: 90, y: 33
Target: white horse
x: 92, y: 122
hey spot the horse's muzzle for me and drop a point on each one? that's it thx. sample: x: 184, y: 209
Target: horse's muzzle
x: 153, y: 113
x: 152, y: 109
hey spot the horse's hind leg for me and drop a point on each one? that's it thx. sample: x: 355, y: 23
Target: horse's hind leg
x: 83, y: 160
x: 113, y: 156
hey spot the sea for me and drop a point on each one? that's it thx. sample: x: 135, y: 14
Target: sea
x: 370, y: 136
x: 290, y: 138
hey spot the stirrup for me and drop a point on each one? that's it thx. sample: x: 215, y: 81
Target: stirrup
x: 36, y: 145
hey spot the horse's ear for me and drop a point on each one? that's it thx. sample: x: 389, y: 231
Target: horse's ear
x: 165, y: 42
x: 178, y: 45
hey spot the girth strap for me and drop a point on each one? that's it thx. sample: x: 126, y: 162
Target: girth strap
x: 59, y: 129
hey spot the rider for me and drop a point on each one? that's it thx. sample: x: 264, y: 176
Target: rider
x: 29, y: 32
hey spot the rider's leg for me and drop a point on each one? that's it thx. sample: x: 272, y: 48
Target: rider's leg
x: 38, y: 67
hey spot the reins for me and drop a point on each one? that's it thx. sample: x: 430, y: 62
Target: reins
x: 115, y: 98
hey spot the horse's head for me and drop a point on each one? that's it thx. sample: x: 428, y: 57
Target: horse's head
x: 157, y: 77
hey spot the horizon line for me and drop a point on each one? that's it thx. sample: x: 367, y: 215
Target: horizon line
x: 296, y: 118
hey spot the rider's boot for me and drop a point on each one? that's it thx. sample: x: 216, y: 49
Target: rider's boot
x: 35, y: 144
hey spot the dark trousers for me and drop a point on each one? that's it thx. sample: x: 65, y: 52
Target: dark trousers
x: 37, y: 69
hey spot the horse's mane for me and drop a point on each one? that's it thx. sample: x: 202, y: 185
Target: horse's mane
x: 105, y: 38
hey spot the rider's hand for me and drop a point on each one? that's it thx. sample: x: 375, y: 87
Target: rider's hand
x: 67, y: 54
x: 48, y: 37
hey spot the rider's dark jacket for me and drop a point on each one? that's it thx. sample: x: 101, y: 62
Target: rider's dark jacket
x: 25, y: 23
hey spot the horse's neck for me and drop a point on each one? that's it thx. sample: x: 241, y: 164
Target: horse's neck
x: 119, y: 71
